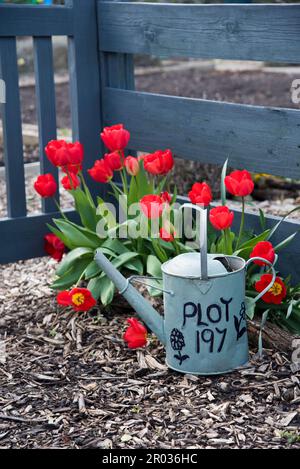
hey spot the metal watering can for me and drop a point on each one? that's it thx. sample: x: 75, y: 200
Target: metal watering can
x: 204, y: 327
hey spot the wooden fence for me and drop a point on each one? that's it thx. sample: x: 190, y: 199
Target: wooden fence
x: 102, y: 47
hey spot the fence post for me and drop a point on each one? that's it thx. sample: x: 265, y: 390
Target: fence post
x: 85, y: 83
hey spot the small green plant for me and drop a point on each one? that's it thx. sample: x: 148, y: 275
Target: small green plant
x: 291, y: 437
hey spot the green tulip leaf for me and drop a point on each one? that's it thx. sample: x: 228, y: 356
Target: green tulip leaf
x: 75, y: 235
x: 283, y: 244
x: 107, y: 291
x: 102, y: 288
x: 86, y: 211
x: 70, y: 278
x: 250, y: 307
x: 153, y: 266
x: 135, y: 265
x: 92, y: 270
x: 115, y: 245
x: 275, y: 228
x: 246, y: 248
x: 61, y: 236
x: 72, y: 257
x: 223, y: 187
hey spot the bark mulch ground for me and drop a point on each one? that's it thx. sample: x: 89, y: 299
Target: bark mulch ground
x: 68, y: 381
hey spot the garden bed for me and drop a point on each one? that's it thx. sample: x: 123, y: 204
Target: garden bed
x: 68, y: 381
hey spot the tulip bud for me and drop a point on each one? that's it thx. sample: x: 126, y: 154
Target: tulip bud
x: 132, y: 166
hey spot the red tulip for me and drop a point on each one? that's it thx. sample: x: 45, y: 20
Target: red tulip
x: 45, y: 185
x: 101, y: 172
x: 72, y: 168
x: 75, y: 153
x: 239, y: 183
x: 276, y: 293
x: 152, y: 206
x: 200, y: 194
x: 265, y: 250
x: 221, y: 218
x: 116, y: 138
x: 136, y: 334
x: 70, y: 182
x: 166, y: 197
x: 63, y: 154
x: 54, y: 247
x: 166, y: 235
x: 132, y: 165
x: 80, y: 299
x: 159, y: 163
x: 115, y: 160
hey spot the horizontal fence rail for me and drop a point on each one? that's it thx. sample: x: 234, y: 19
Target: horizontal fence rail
x: 244, y: 32
x: 260, y: 139
x: 17, y: 20
x: 23, y: 238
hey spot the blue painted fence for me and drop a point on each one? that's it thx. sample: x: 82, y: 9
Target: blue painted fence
x: 103, y: 38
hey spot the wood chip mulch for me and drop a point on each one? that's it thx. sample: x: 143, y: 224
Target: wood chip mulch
x: 68, y: 381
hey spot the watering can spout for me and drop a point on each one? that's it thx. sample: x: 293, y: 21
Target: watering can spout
x: 143, y: 308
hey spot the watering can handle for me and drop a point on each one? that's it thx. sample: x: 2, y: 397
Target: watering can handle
x: 203, y: 238
x: 262, y: 293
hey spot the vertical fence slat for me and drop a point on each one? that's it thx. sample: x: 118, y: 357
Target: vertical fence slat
x: 85, y: 84
x: 117, y: 71
x: 46, y: 109
x: 12, y: 130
